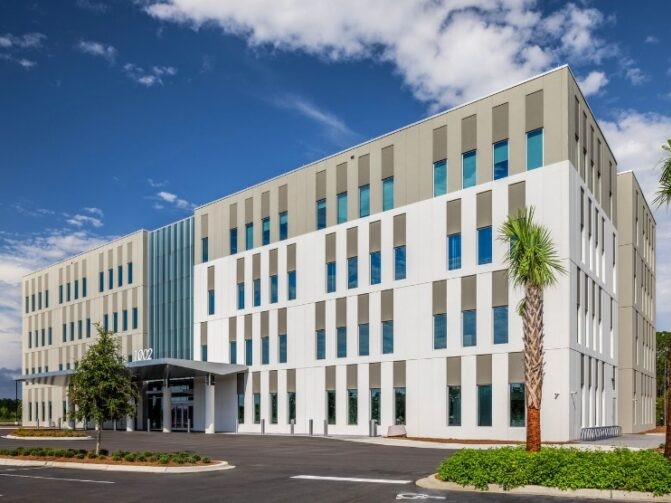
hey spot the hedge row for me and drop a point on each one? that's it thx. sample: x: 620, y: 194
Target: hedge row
x: 22, y: 432
x: 164, y: 458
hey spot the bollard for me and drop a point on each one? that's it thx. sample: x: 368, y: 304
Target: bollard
x: 292, y: 423
x: 188, y: 425
x: 59, y: 422
x: 263, y: 426
x: 372, y: 428
x: 114, y: 427
x: 326, y: 427
x: 310, y: 427
x: 38, y: 423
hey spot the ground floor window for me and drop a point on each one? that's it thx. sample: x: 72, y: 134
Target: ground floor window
x: 517, y: 405
x: 331, y: 406
x: 454, y: 405
x: 257, y: 408
x: 352, y: 406
x: 291, y: 402
x: 241, y: 408
x: 375, y: 397
x: 485, y: 405
x: 399, y: 405
x: 273, y: 408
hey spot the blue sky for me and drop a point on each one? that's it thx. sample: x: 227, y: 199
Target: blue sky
x: 120, y: 115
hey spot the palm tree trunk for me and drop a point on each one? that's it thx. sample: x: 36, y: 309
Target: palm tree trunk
x: 533, y: 364
x: 667, y: 445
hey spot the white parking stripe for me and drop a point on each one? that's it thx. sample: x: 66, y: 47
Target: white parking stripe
x: 351, y: 479
x: 56, y: 478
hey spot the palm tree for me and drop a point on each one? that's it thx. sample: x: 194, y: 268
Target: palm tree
x: 532, y: 264
x: 664, y: 198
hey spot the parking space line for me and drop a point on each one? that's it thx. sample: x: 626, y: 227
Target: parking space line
x: 351, y: 479
x: 56, y: 478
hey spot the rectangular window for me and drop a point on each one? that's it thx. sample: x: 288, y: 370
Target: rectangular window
x: 124, y: 320
x: 517, y: 405
x: 65, y: 332
x: 364, y: 201
x: 129, y: 267
x: 320, y: 344
x: 282, y: 348
x: 501, y: 159
x: 485, y: 405
x: 388, y: 193
x: 439, y: 331
x: 88, y: 325
x: 291, y: 285
x: 291, y: 403
x: 265, y: 231
x: 469, y: 166
x: 110, y: 278
x: 284, y: 225
x: 119, y: 276
x: 535, y: 149
x: 257, y: 292
x: 76, y: 290
x: 273, y: 289
x: 204, y: 249
x: 342, y: 207
x: 249, y: 357
x: 331, y: 406
x: 265, y: 350
x: 241, y: 408
x: 399, y: 262
x: 241, y: 295
x: 210, y: 302
x: 352, y: 406
x: 257, y: 408
x: 203, y: 352
x: 469, y: 327
x: 341, y: 333
x: 233, y: 352
x: 67, y: 295
x: 375, y: 399
x: 50, y: 336
x: 330, y: 277
x: 273, y: 408
x: 364, y: 346
x: 84, y: 290
x: 375, y: 268
x: 233, y: 240
x: 500, y: 320
x: 106, y: 324
x: 454, y: 251
x: 115, y: 322
x: 440, y: 178
x: 352, y: 272
x: 399, y: 405
x: 454, y: 405
x: 46, y: 296
x: 485, y: 245
x: 60, y: 293
x: 321, y: 214
x: 135, y: 318
x: 249, y: 236
x: 101, y: 285
x: 30, y: 340
x: 387, y: 337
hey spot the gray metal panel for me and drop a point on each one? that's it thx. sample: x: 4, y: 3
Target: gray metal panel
x: 233, y: 216
x: 364, y: 170
x: 374, y: 375
x: 203, y: 333
x: 272, y: 262
x: 282, y: 198
x: 483, y: 202
x: 352, y: 376
x: 282, y: 321
x: 291, y: 257
x: 439, y: 295
x: 399, y: 230
x: 352, y: 242
x: 240, y: 269
x: 264, y: 324
x: 374, y: 238
x: 483, y: 364
x: 256, y: 266
x: 534, y: 110
x: 249, y: 210
x: 320, y: 185
x: 387, y: 161
x: 453, y: 216
x: 500, y: 122
x: 291, y: 380
x: 399, y: 374
x: 203, y: 226
x: 256, y: 382
x: 516, y: 198
x: 248, y: 326
x: 210, y: 277
x: 265, y: 204
x: 468, y: 293
x: 341, y: 178
x: 341, y: 312
x: 516, y: 367
x: 232, y: 328
x: 330, y: 247
x: 330, y: 377
x: 320, y: 315
x: 362, y: 308
x: 469, y: 133
x: 500, y: 288
x: 453, y: 371
x: 387, y: 305
x: 272, y: 381
x: 440, y: 143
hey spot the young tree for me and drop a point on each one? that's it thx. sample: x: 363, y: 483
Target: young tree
x: 101, y: 387
x: 532, y: 264
x: 664, y: 198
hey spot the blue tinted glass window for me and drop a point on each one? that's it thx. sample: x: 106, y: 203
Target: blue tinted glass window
x: 65, y: 329
x: 388, y: 193
x: 320, y: 344
x: 291, y: 285
x: 321, y: 214
x: 203, y: 352
x: 500, y: 159
x: 399, y: 262
x: 500, y: 324
x: 124, y: 320
x: 233, y: 236
x: 439, y: 331
x: 249, y: 236
x: 273, y: 289
x: 119, y: 275
x: 257, y: 292
x: 485, y: 405
x: 115, y: 320
x: 454, y: 406
x: 440, y: 178
x: 233, y: 352
x: 284, y: 225
x: 342, y: 207
x: 67, y: 289
x: 375, y: 268
x: 210, y: 302
x: 282, y: 348
x: 101, y: 286
x: 485, y: 245
x: 352, y: 272
x: 265, y: 350
x: 454, y: 251
x: 387, y: 337
x: 535, y: 149
x: 364, y: 200
x: 364, y: 349
x: 469, y: 166
x: 130, y: 275
x: 84, y: 291
x: 241, y: 295
x: 265, y: 231
x: 331, y: 277
x: 469, y: 326
x: 110, y: 279
x: 76, y: 291
x: 205, y: 251
x: 342, y: 342
x: 249, y: 355
x: 135, y: 318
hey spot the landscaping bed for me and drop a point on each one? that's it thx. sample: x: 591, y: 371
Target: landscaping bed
x: 140, y: 458
x: 562, y: 468
x: 47, y: 432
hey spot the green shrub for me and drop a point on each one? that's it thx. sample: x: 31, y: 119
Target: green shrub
x: 164, y: 459
x: 564, y: 468
x: 180, y: 458
x: 80, y: 455
x: 130, y: 457
x: 205, y: 459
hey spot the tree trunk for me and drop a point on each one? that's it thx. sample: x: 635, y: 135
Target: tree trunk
x: 667, y: 445
x: 99, y: 436
x: 533, y: 363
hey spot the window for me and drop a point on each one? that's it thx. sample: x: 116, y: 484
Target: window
x: 469, y: 328
x: 454, y: 251
x: 65, y: 329
x: 265, y: 350
x: 331, y: 406
x: 49, y: 340
x: 501, y: 159
x: 342, y: 207
x: 321, y: 214
x: 375, y: 268
x: 233, y: 352
x: 119, y: 275
x: 439, y: 331
x: 273, y: 289
x: 101, y: 286
x: 273, y: 408
x: 110, y: 279
x: 130, y: 274
x: 248, y: 352
x: 115, y: 322
x: 291, y: 285
x: 282, y: 348
x: 485, y: 405
x: 364, y: 349
x: 352, y: 406
x: 241, y: 408
x: 60, y: 293
x: 517, y: 405
x: 388, y: 193
x: 30, y: 340
x: 203, y: 352
x: 341, y: 333
x: 485, y: 245
x: 388, y: 337
x: 210, y: 302
x: 375, y: 398
x: 469, y: 166
x: 105, y: 322
x: 330, y: 277
x: 249, y: 236
x: 454, y: 405
x: 84, y: 291
x: 135, y: 318
x: 399, y: 262
x: 399, y: 405
x: 88, y: 325
x: 352, y: 272
x: 500, y: 315
x: 76, y: 291
x: 233, y: 240
x: 265, y: 231
x: 534, y: 149
x: 257, y: 408
x: 291, y: 399
x: 364, y: 201
x: 46, y: 295
x: 241, y: 295
x: 440, y: 178
x: 257, y: 292
x: 67, y: 295
x: 320, y: 344
x: 284, y: 225
x: 124, y: 320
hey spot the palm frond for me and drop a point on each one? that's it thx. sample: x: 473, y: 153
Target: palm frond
x: 663, y: 196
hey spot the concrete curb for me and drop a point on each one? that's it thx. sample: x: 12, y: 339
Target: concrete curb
x: 212, y: 467
x: 14, y: 437
x: 431, y: 482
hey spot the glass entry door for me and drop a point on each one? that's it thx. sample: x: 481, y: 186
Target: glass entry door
x: 181, y: 415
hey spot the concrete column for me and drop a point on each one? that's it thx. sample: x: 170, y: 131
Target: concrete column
x: 167, y: 407
x: 209, y: 405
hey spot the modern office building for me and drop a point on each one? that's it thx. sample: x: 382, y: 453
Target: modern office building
x: 370, y: 285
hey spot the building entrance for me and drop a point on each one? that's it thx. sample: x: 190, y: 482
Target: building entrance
x: 181, y: 403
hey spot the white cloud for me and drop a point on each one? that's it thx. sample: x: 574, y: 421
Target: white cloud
x: 593, y: 83
x: 25, y: 41
x: 95, y: 7
x: 97, y: 49
x: 156, y: 184
x: 174, y: 200
x: 651, y: 39
x: 95, y: 211
x: 151, y: 76
x: 22, y: 62
x: 81, y: 220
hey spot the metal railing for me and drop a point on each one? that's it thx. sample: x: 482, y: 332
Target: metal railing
x: 600, y: 432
